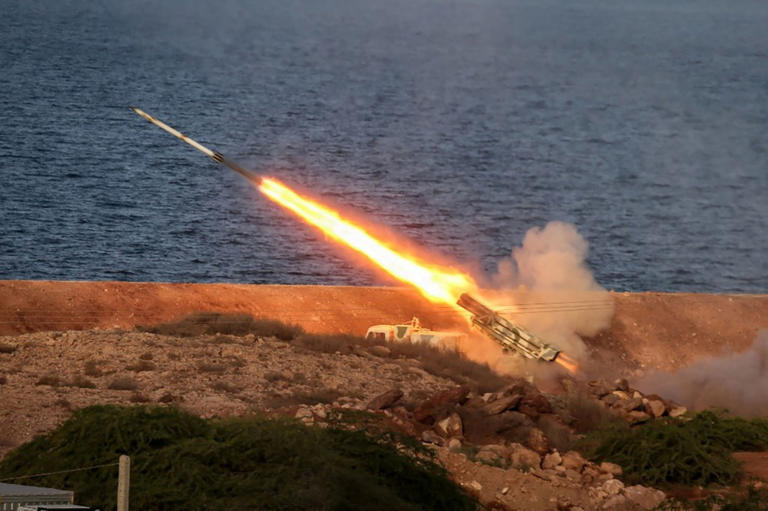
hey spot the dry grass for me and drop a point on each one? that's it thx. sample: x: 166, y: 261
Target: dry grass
x: 138, y: 397
x: 324, y: 395
x: 209, y: 323
x: 81, y: 382
x: 93, y: 369
x: 123, y: 383
x: 141, y: 365
x: 50, y: 380
x: 450, y: 364
x: 7, y: 348
x: 586, y: 414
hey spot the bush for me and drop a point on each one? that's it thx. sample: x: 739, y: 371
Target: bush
x: 587, y: 413
x: 208, y: 323
x: 92, y: 369
x: 7, y: 348
x: 180, y: 461
x: 696, y: 452
x: 141, y: 365
x: 49, y: 379
x: 81, y: 382
x: 123, y: 383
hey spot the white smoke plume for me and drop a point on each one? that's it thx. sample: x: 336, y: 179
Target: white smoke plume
x: 553, y: 292
x: 737, y: 382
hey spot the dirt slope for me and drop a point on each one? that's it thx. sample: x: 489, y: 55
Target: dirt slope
x: 649, y: 330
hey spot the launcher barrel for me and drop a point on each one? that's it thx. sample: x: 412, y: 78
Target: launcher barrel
x: 510, y: 335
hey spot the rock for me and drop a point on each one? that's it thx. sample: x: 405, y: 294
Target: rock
x: 574, y: 461
x: 450, y: 426
x: 303, y: 413
x: 551, y: 460
x: 610, y: 468
x: 522, y: 457
x: 599, y: 388
x: 655, y: 408
x: 572, y: 475
x: 555, y: 428
x: 476, y: 486
x: 538, y: 402
x: 615, y: 502
x: 439, y: 403
x: 637, y: 395
x: 627, y: 405
x: 610, y: 399
x: 637, y: 417
x: 677, y: 411
x: 385, y: 400
x: 454, y: 444
x: 502, y: 404
x: 605, y: 476
x: 620, y: 394
x: 612, y: 486
x: 430, y: 437
x: 538, y: 441
x: 380, y: 351
x: 621, y: 384
x: 646, y: 498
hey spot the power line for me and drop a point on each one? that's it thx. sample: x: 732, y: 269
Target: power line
x: 30, y: 476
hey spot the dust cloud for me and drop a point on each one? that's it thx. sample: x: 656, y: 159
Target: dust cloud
x: 548, y: 288
x: 734, y: 381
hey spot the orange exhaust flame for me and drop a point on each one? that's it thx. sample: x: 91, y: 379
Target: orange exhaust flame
x: 567, y: 362
x: 436, y: 283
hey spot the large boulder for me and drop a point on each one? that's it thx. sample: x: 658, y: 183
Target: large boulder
x: 644, y: 497
x: 522, y: 457
x: 551, y: 460
x: 655, y: 408
x: 502, y: 404
x: 440, y: 404
x: 385, y: 400
x: 574, y: 461
x: 451, y: 426
x: 538, y: 441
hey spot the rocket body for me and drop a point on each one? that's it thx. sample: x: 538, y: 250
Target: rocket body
x: 215, y: 156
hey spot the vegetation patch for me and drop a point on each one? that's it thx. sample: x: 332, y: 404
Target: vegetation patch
x: 690, y: 452
x: 123, y: 383
x: 180, y: 461
x: 211, y: 323
x: 7, y: 348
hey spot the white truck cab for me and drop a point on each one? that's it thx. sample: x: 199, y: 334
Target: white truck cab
x: 413, y: 332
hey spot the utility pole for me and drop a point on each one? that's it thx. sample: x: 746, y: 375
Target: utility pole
x: 123, y: 482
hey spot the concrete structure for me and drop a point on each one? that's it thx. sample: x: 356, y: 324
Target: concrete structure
x: 14, y: 495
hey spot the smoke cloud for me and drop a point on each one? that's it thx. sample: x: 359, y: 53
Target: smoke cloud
x: 735, y: 381
x: 551, y: 288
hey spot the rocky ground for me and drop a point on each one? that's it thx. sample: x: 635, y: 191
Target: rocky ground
x: 507, y: 444
x: 508, y: 447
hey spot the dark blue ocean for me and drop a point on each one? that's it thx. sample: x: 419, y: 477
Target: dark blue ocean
x: 456, y: 124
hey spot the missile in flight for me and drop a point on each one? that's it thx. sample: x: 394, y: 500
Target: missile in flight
x: 214, y: 155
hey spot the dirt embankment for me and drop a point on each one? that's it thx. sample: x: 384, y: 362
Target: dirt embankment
x: 649, y: 330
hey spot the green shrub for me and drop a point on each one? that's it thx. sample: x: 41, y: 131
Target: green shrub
x: 180, y: 461
x: 694, y: 452
x: 209, y: 323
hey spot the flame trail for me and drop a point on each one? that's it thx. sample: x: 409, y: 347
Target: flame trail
x: 436, y: 283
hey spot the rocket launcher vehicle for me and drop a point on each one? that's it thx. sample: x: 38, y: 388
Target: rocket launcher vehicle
x: 510, y: 335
